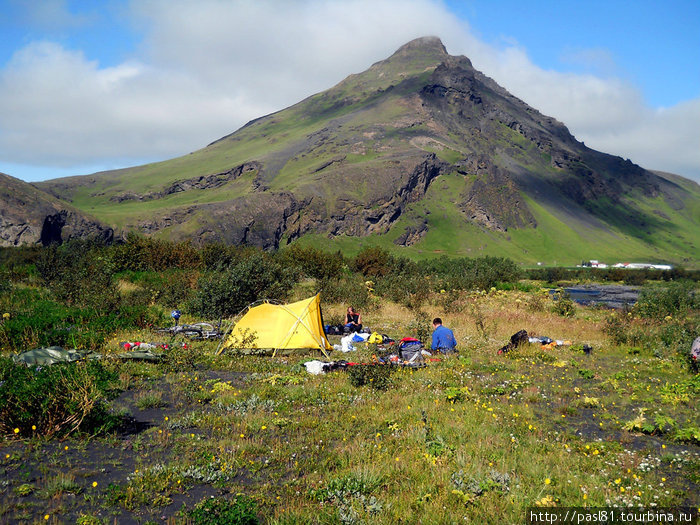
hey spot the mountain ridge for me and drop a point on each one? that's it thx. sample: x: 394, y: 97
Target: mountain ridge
x: 353, y: 164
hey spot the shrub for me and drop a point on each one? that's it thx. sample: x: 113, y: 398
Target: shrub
x: 239, y: 510
x: 409, y: 290
x: 56, y: 400
x: 420, y: 327
x: 563, y: 305
x: 312, y: 262
x: 40, y: 321
x: 169, y: 288
x: 616, y: 327
x: 470, y: 274
x: 145, y: 253
x: 373, y: 262
x: 350, y: 290
x: 376, y: 376
x: 674, y: 299
x: 77, y: 272
x: 225, y: 294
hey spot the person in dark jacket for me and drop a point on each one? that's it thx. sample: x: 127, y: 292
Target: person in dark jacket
x: 443, y: 338
x: 353, y: 320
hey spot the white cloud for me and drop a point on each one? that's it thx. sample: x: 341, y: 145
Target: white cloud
x: 207, y: 67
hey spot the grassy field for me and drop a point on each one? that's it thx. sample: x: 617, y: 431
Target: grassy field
x: 474, y: 438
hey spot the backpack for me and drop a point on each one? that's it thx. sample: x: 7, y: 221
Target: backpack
x: 411, y: 350
x: 516, y: 340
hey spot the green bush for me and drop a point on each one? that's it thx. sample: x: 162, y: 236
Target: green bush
x: 54, y: 400
x: 470, y: 274
x: 169, y: 288
x: 36, y: 320
x: 616, y: 327
x: 674, y: 299
x: 239, y: 510
x: 78, y: 273
x: 313, y: 262
x: 563, y: 305
x: 350, y: 290
x: 376, y: 376
x: 409, y: 290
x: 373, y: 262
x: 146, y: 253
x: 226, y: 293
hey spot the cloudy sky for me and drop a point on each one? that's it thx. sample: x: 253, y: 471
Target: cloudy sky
x: 87, y: 86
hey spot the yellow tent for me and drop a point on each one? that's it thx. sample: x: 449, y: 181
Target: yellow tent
x: 281, y: 326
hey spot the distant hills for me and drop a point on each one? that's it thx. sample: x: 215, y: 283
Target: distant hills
x: 421, y: 154
x: 31, y: 216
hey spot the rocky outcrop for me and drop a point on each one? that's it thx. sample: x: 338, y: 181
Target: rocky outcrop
x: 412, y: 234
x: 30, y: 216
x: 202, y: 182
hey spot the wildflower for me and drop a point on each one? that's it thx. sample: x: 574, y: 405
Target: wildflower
x: 242, y: 435
x: 94, y: 484
x: 46, y: 517
x: 5, y: 316
x: 264, y: 427
x: 547, y: 481
x: 17, y: 431
x: 33, y: 427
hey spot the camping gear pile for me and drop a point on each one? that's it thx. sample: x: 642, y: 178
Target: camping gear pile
x: 196, y: 331
x: 55, y: 354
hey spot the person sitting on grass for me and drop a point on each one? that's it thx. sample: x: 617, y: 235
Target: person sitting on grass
x: 353, y: 320
x: 443, y: 338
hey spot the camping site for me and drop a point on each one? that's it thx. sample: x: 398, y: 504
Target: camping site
x: 176, y: 384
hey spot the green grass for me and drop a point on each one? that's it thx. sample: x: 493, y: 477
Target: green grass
x: 557, y: 240
x: 479, y: 437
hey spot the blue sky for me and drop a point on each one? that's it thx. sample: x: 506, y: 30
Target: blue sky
x: 87, y: 86
x: 652, y: 44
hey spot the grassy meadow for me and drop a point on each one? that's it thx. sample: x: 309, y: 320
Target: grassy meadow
x: 203, y: 438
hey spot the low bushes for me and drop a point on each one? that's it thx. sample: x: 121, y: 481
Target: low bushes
x: 54, y: 400
x: 37, y: 320
x: 239, y: 510
x: 225, y: 293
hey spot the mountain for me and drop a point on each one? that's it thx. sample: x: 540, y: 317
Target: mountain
x: 421, y: 153
x: 31, y: 216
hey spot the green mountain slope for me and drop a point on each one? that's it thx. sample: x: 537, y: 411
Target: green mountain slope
x: 422, y: 154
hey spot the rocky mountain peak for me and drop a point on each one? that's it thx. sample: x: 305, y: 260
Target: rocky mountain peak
x: 423, y: 45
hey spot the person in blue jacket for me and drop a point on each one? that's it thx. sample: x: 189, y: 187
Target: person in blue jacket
x: 443, y: 338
